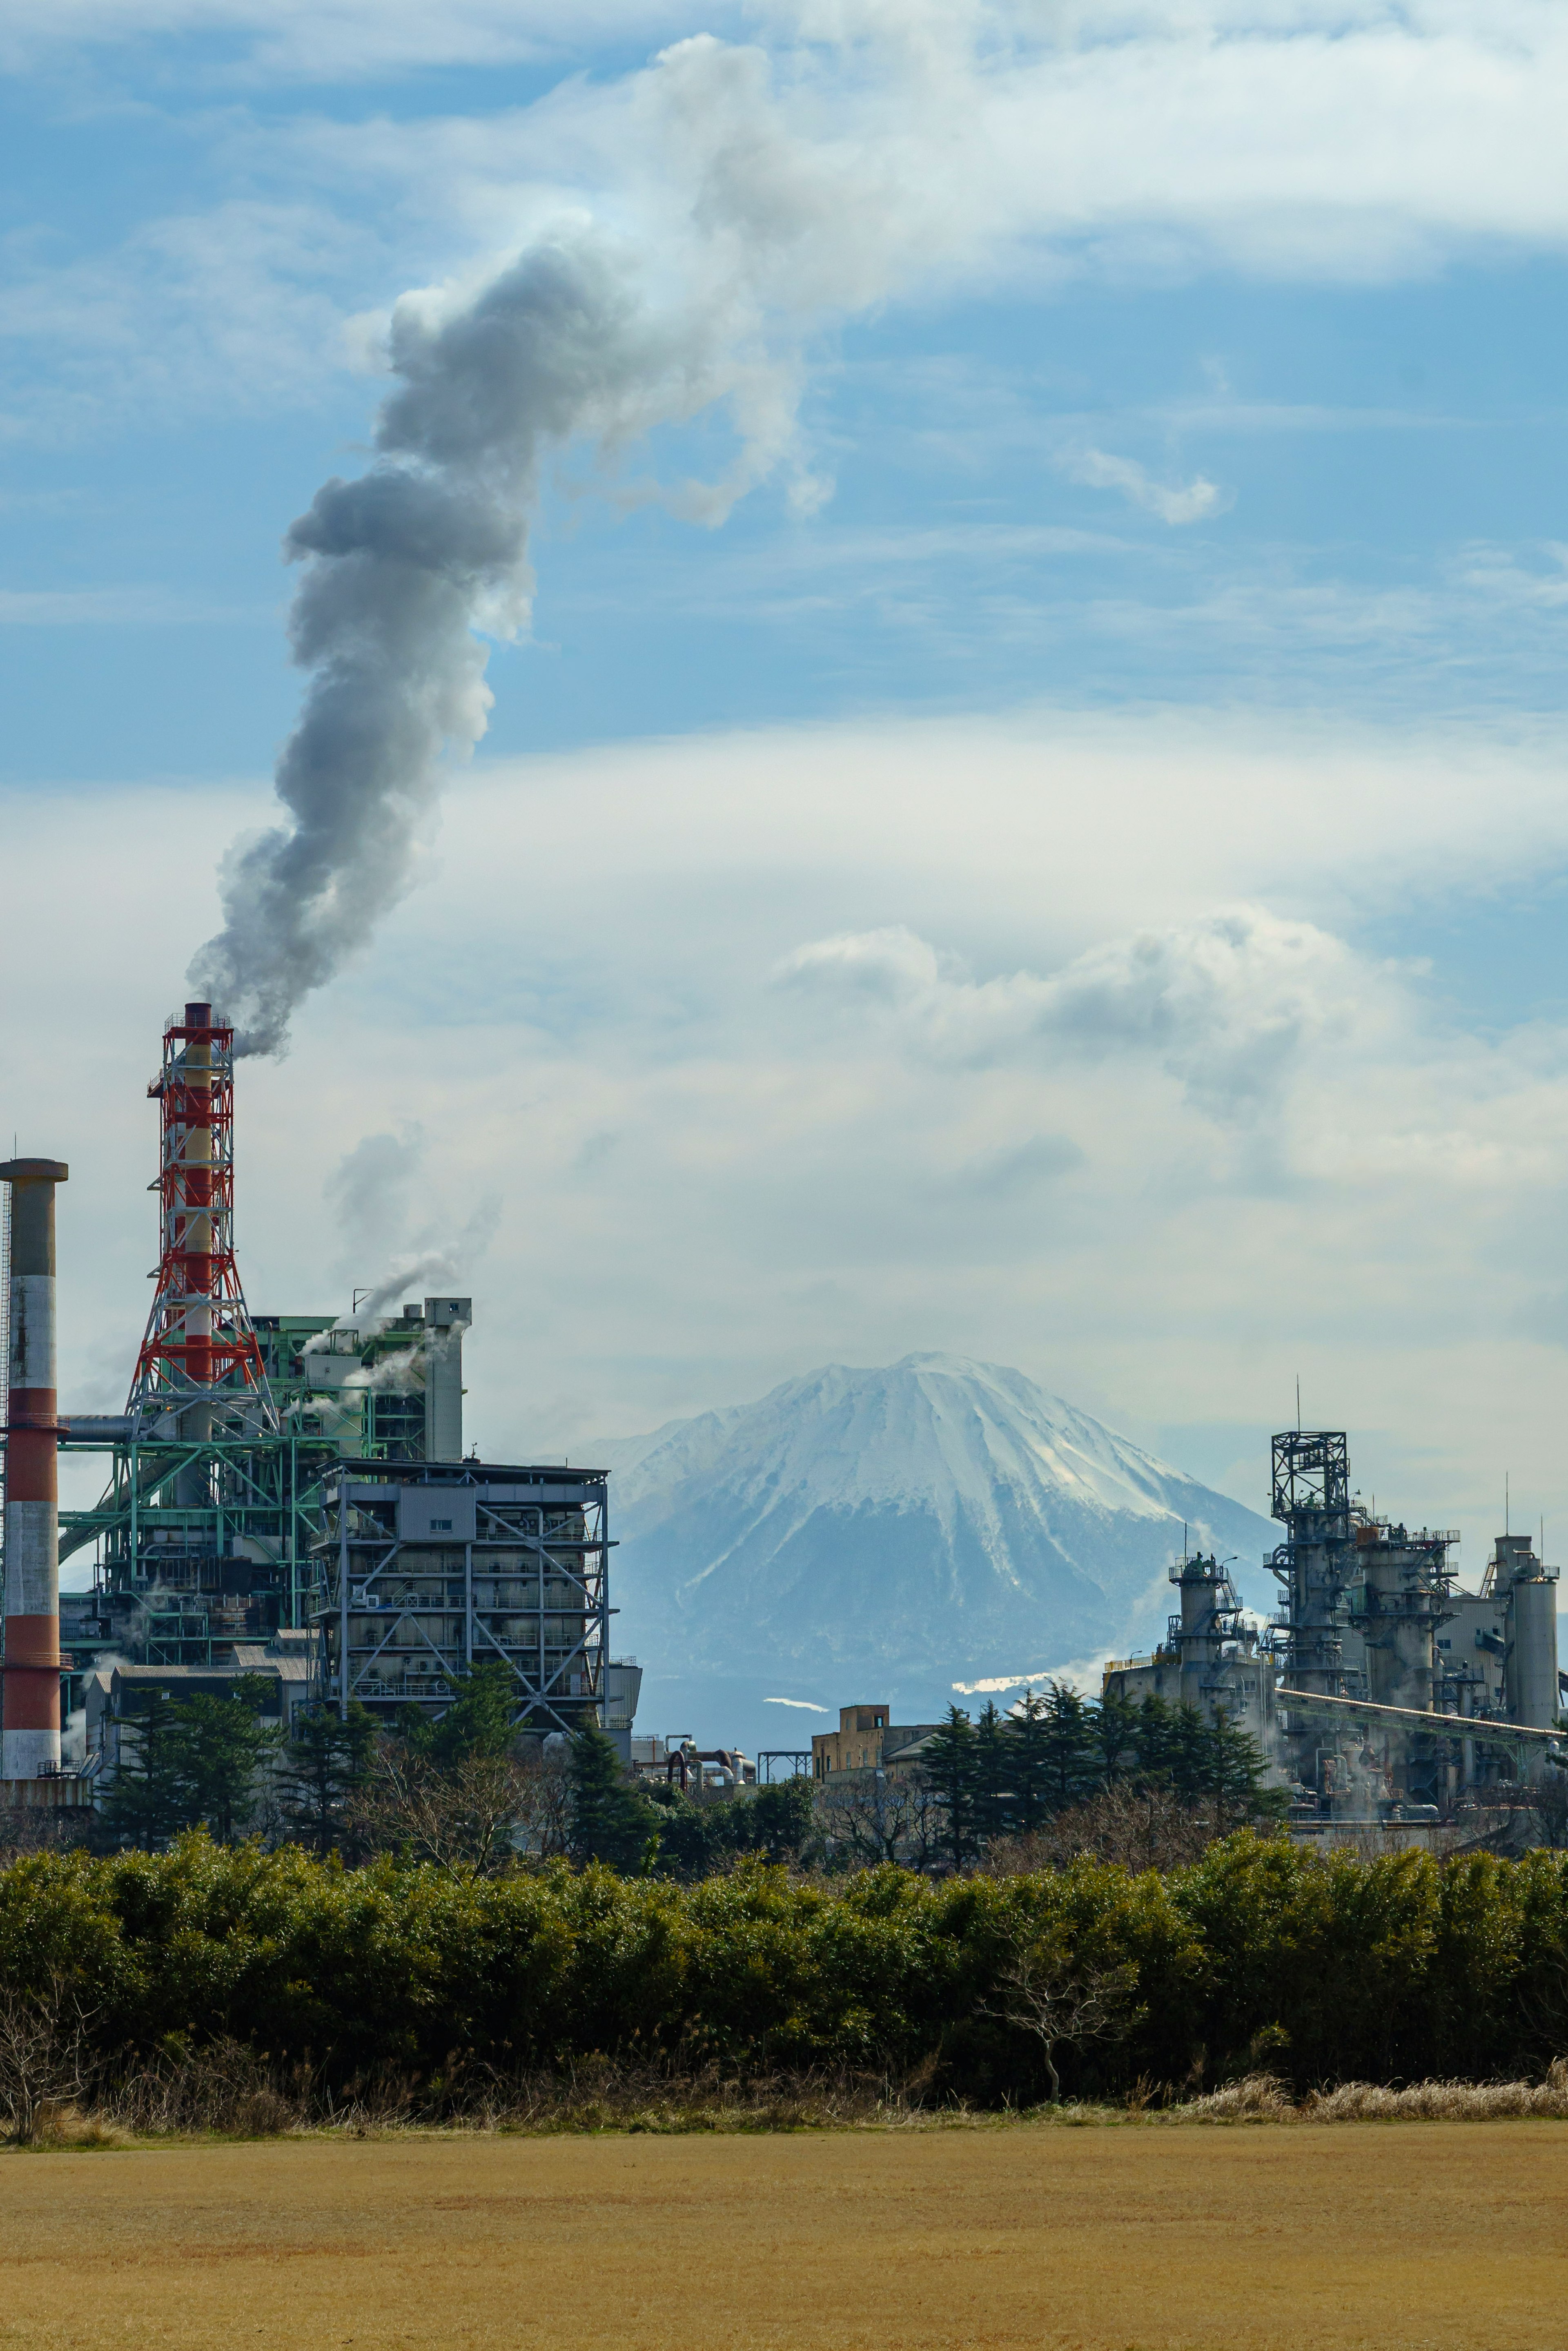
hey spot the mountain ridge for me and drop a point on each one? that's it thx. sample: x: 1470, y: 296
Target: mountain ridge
x: 915, y: 1528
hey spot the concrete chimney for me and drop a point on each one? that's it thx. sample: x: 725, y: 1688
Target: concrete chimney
x: 30, y: 1739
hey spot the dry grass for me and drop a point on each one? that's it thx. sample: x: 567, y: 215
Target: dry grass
x: 224, y: 2092
x: 1310, y: 2239
x: 1260, y: 2098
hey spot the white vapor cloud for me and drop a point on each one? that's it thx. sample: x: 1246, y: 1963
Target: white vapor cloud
x: 1229, y: 1006
x: 1173, y: 503
x: 843, y: 155
x: 1388, y: 1221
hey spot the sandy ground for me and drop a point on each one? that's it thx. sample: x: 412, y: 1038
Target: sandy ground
x: 1364, y: 2234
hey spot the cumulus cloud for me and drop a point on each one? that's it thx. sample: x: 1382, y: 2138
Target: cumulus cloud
x: 1229, y: 1006
x: 1173, y: 502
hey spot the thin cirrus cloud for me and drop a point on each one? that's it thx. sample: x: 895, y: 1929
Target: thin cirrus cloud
x: 1173, y: 502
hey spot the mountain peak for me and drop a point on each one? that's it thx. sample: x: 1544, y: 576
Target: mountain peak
x: 908, y: 1527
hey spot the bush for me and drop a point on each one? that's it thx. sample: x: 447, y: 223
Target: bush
x: 1262, y: 1956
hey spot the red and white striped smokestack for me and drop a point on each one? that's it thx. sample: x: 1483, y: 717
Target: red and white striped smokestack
x: 30, y: 1736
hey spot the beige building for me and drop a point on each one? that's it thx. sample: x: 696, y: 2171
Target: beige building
x: 867, y: 1740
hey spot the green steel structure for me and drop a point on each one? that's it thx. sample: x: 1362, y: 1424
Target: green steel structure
x: 199, y: 1541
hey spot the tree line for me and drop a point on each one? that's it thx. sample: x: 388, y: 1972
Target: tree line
x: 462, y: 1791
x: 1004, y: 1776
x: 1319, y: 1965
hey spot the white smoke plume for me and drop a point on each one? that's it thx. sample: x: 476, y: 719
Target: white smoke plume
x: 697, y: 223
x: 586, y: 339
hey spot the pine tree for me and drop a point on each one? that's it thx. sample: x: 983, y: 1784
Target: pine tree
x: 1068, y: 1747
x: 1116, y: 1738
x: 947, y: 1761
x: 482, y: 1720
x: 323, y: 1765
x: 147, y: 1803
x: 1158, y: 1748
x: 611, y: 1819
x: 222, y: 1744
x: 1235, y: 1773
x: 1191, y: 1765
x: 1030, y: 1763
x: 991, y: 1776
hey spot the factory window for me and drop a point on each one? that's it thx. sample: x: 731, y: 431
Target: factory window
x: 441, y: 1526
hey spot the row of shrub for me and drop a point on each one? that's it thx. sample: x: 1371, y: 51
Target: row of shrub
x: 1322, y: 1967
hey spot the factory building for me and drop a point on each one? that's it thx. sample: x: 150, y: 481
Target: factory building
x: 259, y: 1492
x: 1378, y: 1688
x: 430, y: 1567
x: 868, y: 1740
x: 1211, y: 1658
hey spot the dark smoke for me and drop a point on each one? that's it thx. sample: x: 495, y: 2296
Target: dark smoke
x: 400, y: 568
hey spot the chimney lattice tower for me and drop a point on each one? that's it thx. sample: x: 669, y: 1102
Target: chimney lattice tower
x: 200, y: 1356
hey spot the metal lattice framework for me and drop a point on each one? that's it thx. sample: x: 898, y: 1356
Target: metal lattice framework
x: 199, y: 1346
x: 513, y: 1568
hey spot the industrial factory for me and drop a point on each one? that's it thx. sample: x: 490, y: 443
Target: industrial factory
x: 287, y: 1496
x: 1380, y: 1690
x: 284, y: 1495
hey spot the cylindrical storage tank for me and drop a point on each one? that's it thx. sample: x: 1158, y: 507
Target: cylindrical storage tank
x: 1530, y: 1669
x: 30, y: 1724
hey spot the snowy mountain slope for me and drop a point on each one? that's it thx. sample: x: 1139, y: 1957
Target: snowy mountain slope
x: 897, y: 1531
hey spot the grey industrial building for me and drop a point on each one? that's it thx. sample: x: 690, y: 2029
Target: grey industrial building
x: 288, y: 1494
x: 1378, y: 1688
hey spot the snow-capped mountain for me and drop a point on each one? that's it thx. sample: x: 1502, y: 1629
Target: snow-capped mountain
x: 861, y: 1535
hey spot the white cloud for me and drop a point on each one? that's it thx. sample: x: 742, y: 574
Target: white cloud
x: 1231, y: 1005
x: 1173, y: 503
x: 845, y: 157
x: 803, y: 1705
x: 126, y: 607
x: 588, y: 954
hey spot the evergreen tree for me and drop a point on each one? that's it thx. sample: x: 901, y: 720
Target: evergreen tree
x: 1158, y: 1748
x: 481, y: 1722
x: 1116, y: 1738
x: 221, y: 1742
x: 1068, y: 1747
x: 1191, y: 1753
x: 1236, y: 1768
x: 1030, y: 1763
x: 991, y: 1776
x: 147, y: 1803
x: 687, y: 1833
x: 949, y: 1764
x: 325, y: 1763
x: 611, y: 1819
x: 777, y: 1822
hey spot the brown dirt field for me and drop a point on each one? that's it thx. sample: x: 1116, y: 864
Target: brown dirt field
x: 1316, y: 2238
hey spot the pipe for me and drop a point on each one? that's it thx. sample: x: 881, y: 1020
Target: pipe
x: 30, y: 1739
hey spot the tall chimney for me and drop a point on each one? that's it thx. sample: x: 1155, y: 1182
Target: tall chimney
x: 30, y: 1741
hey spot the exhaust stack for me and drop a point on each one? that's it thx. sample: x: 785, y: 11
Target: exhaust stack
x: 30, y: 1740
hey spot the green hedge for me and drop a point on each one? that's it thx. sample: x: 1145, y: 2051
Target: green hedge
x: 1333, y: 1969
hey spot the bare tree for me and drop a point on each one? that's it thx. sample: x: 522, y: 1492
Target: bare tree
x: 1137, y: 1828
x: 870, y: 1818
x: 464, y: 1816
x: 545, y: 1819
x: 1065, y: 2007
x: 43, y: 2056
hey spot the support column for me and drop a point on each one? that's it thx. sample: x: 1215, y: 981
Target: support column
x: 30, y: 1741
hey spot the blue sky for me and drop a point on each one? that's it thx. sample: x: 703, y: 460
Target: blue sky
x: 1154, y: 508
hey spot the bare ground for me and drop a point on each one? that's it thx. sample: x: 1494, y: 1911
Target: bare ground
x: 1318, y: 2238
